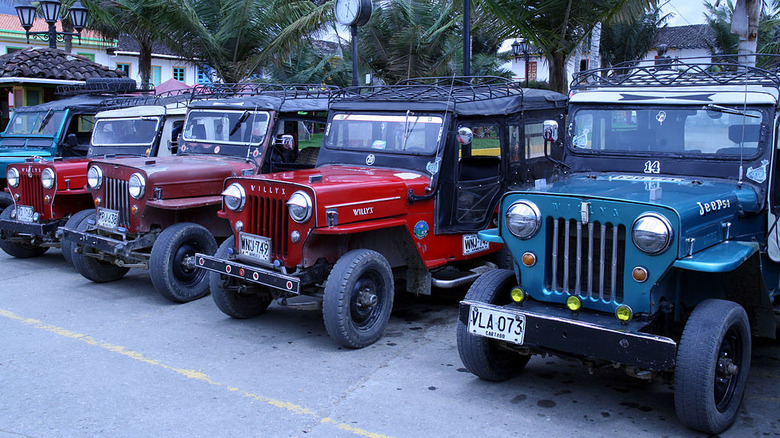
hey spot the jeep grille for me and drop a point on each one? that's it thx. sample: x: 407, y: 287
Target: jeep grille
x: 268, y: 217
x: 586, y: 259
x: 31, y: 191
x: 118, y: 198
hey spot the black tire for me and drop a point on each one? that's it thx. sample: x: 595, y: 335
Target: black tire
x: 503, y: 258
x: 225, y: 293
x: 358, y: 298
x: 92, y: 268
x: 173, y: 278
x: 483, y: 356
x: 66, y: 246
x: 713, y: 361
x: 19, y: 250
x: 308, y: 156
x: 5, y: 200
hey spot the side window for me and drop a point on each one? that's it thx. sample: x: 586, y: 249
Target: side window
x: 486, y: 141
x: 534, y: 140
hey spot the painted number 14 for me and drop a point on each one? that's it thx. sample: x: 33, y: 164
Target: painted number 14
x: 652, y: 167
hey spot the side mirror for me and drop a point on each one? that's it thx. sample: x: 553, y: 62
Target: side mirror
x: 465, y: 136
x: 71, y: 140
x: 550, y: 130
x: 286, y: 141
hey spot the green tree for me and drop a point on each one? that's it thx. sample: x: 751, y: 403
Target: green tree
x: 557, y: 27
x: 623, y: 42
x: 727, y: 43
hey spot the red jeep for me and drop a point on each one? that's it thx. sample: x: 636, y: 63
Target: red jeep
x: 155, y: 213
x: 48, y: 193
x: 406, y: 176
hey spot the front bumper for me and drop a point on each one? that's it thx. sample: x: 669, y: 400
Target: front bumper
x: 590, y: 336
x: 126, y: 249
x: 249, y: 273
x: 10, y: 227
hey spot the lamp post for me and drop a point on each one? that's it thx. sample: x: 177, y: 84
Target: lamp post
x: 50, y: 12
x: 520, y: 47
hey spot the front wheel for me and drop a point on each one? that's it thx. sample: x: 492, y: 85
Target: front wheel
x: 224, y: 291
x: 172, y: 262
x: 484, y: 357
x: 713, y: 360
x: 92, y: 268
x: 358, y: 298
x: 19, y: 250
x: 73, y: 222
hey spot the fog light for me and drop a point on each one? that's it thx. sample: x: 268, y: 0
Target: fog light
x: 295, y: 237
x: 529, y: 259
x: 36, y: 217
x: 517, y: 295
x: 47, y: 199
x: 640, y: 274
x: 239, y: 226
x: 134, y: 209
x: 97, y: 201
x: 13, y: 214
x: 624, y: 313
x: 573, y: 303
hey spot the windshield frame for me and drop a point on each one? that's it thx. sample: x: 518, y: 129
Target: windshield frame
x: 253, y: 113
x: 764, y: 126
x: 398, y: 117
x: 40, y: 115
x: 127, y: 145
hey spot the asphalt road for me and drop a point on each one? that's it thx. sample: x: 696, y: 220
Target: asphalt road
x: 79, y: 359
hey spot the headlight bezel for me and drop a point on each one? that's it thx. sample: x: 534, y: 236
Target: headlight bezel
x: 95, y: 173
x: 47, y: 174
x: 664, y: 221
x: 523, y: 232
x: 300, y: 199
x: 140, y: 185
x: 234, y: 190
x: 15, y: 177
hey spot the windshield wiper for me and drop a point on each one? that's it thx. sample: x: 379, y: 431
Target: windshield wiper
x: 727, y: 110
x: 407, y: 129
x: 46, y: 119
x: 240, y: 120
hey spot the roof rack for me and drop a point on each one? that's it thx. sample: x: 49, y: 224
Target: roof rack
x: 678, y: 72
x: 178, y: 97
x: 112, y: 86
x: 284, y: 91
x: 454, y: 88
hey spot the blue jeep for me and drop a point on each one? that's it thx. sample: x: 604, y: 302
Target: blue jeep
x: 657, y: 249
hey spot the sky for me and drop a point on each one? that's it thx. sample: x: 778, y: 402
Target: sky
x: 685, y: 12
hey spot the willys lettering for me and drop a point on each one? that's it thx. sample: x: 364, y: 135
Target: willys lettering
x: 267, y: 189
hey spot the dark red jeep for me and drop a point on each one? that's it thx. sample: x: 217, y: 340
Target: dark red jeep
x: 155, y: 213
x: 50, y: 193
x: 406, y: 176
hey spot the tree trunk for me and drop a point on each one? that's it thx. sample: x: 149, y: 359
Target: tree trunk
x: 558, y: 75
x: 145, y: 59
x: 595, y: 47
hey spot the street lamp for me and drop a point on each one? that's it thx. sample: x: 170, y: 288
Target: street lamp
x: 50, y: 12
x: 520, y: 47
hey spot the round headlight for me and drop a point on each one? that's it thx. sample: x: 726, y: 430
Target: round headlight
x: 136, y: 185
x: 300, y: 207
x: 234, y: 197
x: 94, y: 177
x: 652, y: 233
x: 47, y: 178
x: 523, y: 219
x: 12, y: 177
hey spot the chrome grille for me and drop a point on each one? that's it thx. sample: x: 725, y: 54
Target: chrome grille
x: 586, y: 259
x: 31, y: 191
x: 118, y: 198
x: 268, y: 217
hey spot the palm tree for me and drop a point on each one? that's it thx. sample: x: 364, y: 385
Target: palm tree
x: 726, y: 43
x: 557, y: 27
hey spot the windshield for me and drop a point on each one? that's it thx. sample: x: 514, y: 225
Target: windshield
x: 714, y: 130
x: 406, y: 133
x: 205, y: 128
x: 45, y: 123
x: 131, y: 131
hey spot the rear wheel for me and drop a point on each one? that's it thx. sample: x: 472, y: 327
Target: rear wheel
x: 172, y: 262
x: 713, y: 360
x: 224, y: 291
x: 358, y: 298
x: 19, y: 250
x: 93, y: 269
x: 484, y: 356
x: 73, y: 222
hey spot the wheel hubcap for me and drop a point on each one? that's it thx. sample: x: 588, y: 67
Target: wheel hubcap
x: 365, y: 300
x: 184, y: 265
x: 727, y: 372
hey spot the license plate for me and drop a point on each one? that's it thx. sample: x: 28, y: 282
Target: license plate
x: 472, y: 243
x: 24, y: 213
x: 255, y: 247
x: 497, y: 324
x: 107, y: 218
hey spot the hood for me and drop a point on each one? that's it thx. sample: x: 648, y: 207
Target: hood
x: 18, y: 156
x: 178, y: 176
x: 346, y: 194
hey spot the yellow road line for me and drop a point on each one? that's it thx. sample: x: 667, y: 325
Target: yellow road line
x: 190, y: 374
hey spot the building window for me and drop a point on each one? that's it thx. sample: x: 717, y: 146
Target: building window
x: 179, y: 73
x: 156, y: 75
x: 124, y: 67
x: 204, y: 75
x: 90, y: 56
